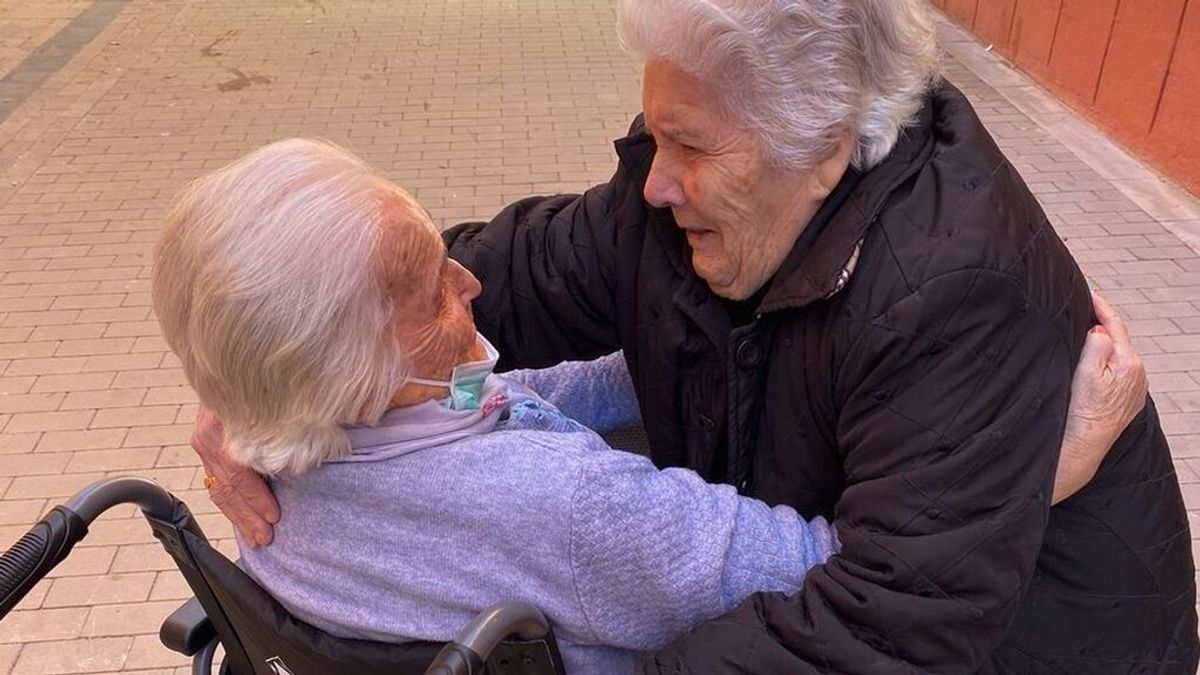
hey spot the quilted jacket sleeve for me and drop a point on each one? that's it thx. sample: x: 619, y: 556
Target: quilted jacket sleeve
x: 547, y: 269
x: 952, y: 406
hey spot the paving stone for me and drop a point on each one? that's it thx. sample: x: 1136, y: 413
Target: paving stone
x: 127, y: 619
x: 21, y: 512
x: 167, y: 434
x: 85, y: 561
x: 73, y: 656
x: 128, y: 459
x: 20, y: 403
x: 8, y: 656
x: 92, y: 590
x: 11, y: 444
x: 1186, y: 446
x: 50, y: 421
x: 140, y: 416
x: 142, y: 558
x: 35, y: 464
x: 41, y: 625
x: 165, y: 395
x: 1170, y: 382
x: 96, y: 439
x: 56, y: 486
x: 170, y: 585
x: 104, y: 398
x: 74, y: 382
x: 148, y: 652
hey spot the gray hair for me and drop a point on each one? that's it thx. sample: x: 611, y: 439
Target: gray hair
x: 798, y: 73
x: 267, y: 286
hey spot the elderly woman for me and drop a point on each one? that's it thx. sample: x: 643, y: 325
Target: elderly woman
x: 834, y: 292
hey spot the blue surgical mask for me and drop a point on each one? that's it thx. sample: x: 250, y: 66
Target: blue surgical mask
x: 466, y: 381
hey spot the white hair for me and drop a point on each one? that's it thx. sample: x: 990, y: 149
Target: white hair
x: 798, y: 73
x: 268, y: 287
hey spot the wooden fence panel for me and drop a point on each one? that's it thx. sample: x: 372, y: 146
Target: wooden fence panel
x: 1080, y: 42
x: 1132, y: 66
x: 994, y: 22
x: 1175, y: 136
x: 1144, y: 37
x: 963, y: 10
x: 1034, y: 25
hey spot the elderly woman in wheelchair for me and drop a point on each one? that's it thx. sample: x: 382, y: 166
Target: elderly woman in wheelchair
x: 316, y: 313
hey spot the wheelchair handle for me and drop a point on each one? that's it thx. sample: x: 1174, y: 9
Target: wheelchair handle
x: 469, y: 651
x: 53, y: 537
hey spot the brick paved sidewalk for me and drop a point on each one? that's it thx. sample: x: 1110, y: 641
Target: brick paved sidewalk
x: 108, y: 107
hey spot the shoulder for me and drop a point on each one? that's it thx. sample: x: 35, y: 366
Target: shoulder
x: 507, y: 465
x: 964, y: 217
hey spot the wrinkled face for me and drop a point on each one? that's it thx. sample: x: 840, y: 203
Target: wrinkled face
x: 431, y: 292
x: 741, y: 215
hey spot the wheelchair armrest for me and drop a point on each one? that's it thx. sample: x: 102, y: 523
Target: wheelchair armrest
x: 187, y: 630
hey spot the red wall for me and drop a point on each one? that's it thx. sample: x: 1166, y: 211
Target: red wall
x: 1131, y: 66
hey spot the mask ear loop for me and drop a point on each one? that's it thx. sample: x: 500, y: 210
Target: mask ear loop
x: 429, y: 383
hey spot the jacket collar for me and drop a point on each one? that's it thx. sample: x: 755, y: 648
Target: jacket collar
x: 822, y: 258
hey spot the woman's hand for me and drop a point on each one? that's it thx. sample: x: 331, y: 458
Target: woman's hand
x: 1109, y: 389
x: 240, y: 493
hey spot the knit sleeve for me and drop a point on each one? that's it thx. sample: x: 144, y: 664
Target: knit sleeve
x: 655, y: 553
x: 598, y: 394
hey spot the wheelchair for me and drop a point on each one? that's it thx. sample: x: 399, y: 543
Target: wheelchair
x: 258, y: 634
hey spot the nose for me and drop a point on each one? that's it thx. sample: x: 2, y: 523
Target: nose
x: 662, y: 188
x: 469, y: 287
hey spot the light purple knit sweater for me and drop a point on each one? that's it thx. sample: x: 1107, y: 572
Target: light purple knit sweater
x: 438, y: 514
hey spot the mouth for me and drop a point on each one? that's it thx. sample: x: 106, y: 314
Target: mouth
x: 698, y: 236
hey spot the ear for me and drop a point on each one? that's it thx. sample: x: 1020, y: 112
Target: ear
x: 828, y: 173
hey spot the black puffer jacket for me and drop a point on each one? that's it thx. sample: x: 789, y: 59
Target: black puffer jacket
x: 921, y: 406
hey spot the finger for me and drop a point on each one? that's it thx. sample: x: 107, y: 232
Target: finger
x: 247, y: 522
x: 243, y: 496
x: 1097, y: 351
x: 253, y: 491
x: 1112, y: 323
x: 1101, y: 306
x: 258, y: 496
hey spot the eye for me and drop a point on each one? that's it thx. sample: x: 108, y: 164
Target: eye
x: 690, y: 150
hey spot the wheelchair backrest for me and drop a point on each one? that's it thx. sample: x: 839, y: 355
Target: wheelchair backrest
x: 261, y: 637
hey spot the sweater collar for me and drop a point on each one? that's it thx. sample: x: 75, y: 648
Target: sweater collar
x: 402, y: 431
